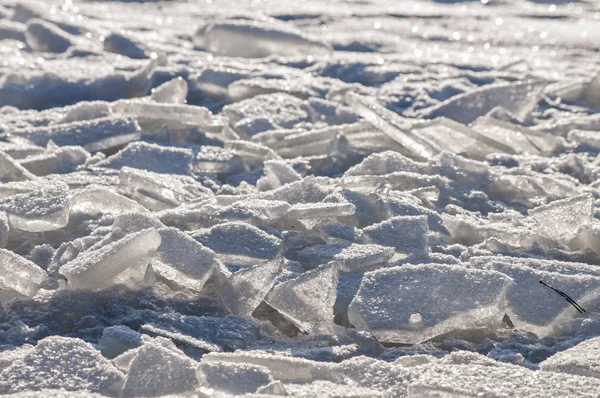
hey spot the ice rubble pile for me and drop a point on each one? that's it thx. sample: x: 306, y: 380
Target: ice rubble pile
x: 273, y: 239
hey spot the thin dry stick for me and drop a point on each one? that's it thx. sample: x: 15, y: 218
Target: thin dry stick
x: 569, y: 299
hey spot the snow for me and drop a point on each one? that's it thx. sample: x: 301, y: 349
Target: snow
x: 357, y: 198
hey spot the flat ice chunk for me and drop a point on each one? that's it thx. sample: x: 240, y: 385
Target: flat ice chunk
x: 45, y: 208
x: 183, y: 260
x: 519, y: 98
x: 535, y: 308
x: 212, y: 333
x: 256, y: 39
x: 131, y: 222
x: 238, y: 238
x: 350, y: 257
x: 395, y: 126
x: 476, y: 380
x: 59, y: 161
x: 384, y: 163
x: 585, y: 139
x: 93, y: 135
x: 85, y: 110
x: 172, y: 92
x: 20, y: 274
x: 97, y: 200
x: 213, y: 159
x: 93, y: 269
x: 588, y: 236
x: 157, y: 371
x: 283, y: 368
x: 118, y: 339
x: 157, y: 191
x: 234, y: 378
x: 322, y: 210
x: 301, y: 87
x: 530, y: 190
x: 506, y: 134
x: 457, y: 138
x: 308, y: 300
x: 4, y: 228
x: 189, y: 115
x: 279, y: 110
x: 562, y: 218
x: 119, y: 44
x: 245, y: 289
x: 560, y: 267
x: 414, y: 303
x: 151, y: 157
x: 62, y: 363
x: 276, y: 174
x: 580, y: 360
x: 254, y: 210
x: 407, y: 234
x: 46, y: 37
x: 11, y: 170
x: 307, y: 190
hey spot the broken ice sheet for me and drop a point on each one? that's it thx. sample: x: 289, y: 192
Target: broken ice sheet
x: 207, y: 333
x: 93, y: 135
x: 394, y: 125
x: 172, y: 92
x: 157, y: 191
x: 384, y: 163
x: 322, y: 210
x: 117, y: 339
x: 308, y: 190
x: 61, y: 160
x: 182, y: 260
x: 276, y: 174
x: 157, y: 371
x: 94, y: 268
x: 62, y: 363
x: 350, y: 257
x: 11, y: 170
x: 245, y: 289
x: 256, y: 39
x: 505, y: 136
x: 254, y: 211
x: 562, y: 218
x: 266, y: 112
x: 4, y: 229
x: 151, y: 157
x: 42, y: 207
x: 213, y: 159
x: 476, y: 380
x: 238, y: 240
x: 537, y: 309
x: 407, y: 234
x: 19, y: 274
x: 581, y: 360
x: 308, y: 300
x: 99, y: 200
x: 234, y: 378
x: 519, y: 98
x: 414, y: 303
x: 457, y: 138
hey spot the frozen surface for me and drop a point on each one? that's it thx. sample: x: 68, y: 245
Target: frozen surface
x: 299, y: 198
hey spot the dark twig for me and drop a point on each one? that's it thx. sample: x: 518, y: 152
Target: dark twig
x: 569, y: 299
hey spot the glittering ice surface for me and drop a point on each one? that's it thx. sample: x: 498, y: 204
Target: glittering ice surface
x: 299, y: 198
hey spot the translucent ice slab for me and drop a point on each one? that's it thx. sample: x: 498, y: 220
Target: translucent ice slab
x: 414, y: 303
x: 94, y: 268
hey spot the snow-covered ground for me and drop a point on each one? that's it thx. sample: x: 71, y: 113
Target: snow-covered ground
x: 360, y: 198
